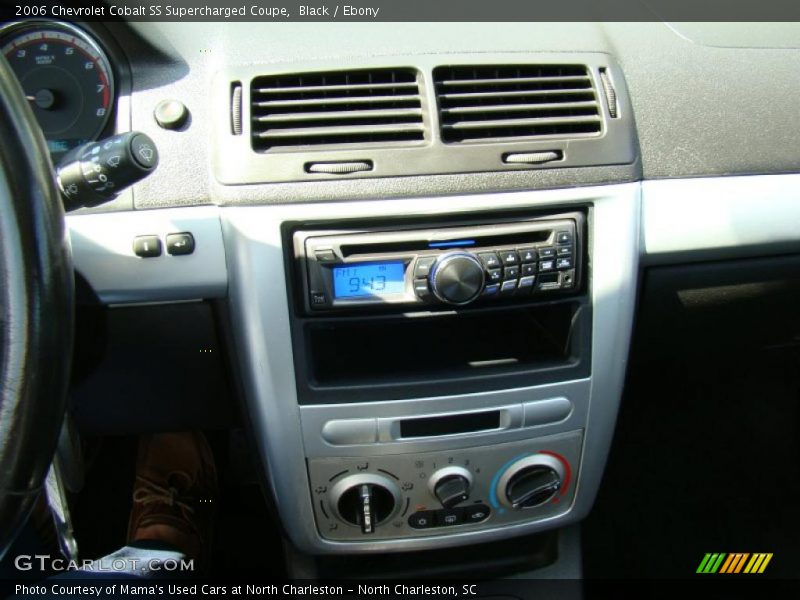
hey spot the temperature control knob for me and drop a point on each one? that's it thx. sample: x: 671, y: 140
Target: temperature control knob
x: 457, y: 278
x: 365, y: 500
x: 531, y: 481
x: 451, y: 485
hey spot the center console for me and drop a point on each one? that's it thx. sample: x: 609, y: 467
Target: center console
x: 456, y: 362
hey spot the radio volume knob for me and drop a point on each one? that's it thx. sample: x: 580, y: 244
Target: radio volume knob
x: 457, y: 278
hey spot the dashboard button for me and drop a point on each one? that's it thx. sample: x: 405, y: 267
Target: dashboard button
x: 489, y: 260
x: 180, y: 244
x: 318, y: 299
x: 491, y: 290
x: 475, y: 513
x: 527, y: 255
x: 510, y: 272
x: 422, y: 519
x: 564, y: 263
x: 526, y: 282
x: 421, y: 289
x: 325, y: 256
x: 147, y: 246
x: 509, y: 257
x: 565, y: 250
x: 546, y: 265
x: 424, y: 264
x: 495, y: 275
x: 564, y: 237
x: 548, y: 252
x: 449, y: 516
x: 171, y: 114
x: 528, y: 270
x: 508, y: 286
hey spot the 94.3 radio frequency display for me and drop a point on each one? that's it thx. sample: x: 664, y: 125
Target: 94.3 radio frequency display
x: 368, y: 280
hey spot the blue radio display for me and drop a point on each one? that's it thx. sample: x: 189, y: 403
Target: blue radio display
x: 369, y: 280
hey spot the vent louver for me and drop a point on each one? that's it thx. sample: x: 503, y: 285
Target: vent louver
x: 336, y: 108
x: 519, y: 102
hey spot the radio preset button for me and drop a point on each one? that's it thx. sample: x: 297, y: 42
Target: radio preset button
x: 509, y: 257
x: 526, y: 282
x: 527, y: 255
x: 565, y: 250
x: 528, y: 270
x: 491, y: 290
x: 509, y: 286
x: 495, y: 275
x: 510, y: 272
x: 546, y: 265
x: 548, y: 252
x: 423, y: 267
x: 489, y: 260
x: 564, y: 263
x: 564, y: 237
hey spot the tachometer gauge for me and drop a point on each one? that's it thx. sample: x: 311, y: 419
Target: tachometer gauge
x: 66, y: 78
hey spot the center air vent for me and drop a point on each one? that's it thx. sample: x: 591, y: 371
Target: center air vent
x: 519, y: 102
x: 295, y: 112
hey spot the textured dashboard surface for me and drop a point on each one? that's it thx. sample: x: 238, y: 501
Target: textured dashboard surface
x: 704, y: 110
x: 700, y: 110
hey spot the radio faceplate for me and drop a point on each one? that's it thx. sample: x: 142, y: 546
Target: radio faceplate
x: 456, y: 266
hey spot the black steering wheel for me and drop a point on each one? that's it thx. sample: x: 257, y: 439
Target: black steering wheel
x: 36, y: 309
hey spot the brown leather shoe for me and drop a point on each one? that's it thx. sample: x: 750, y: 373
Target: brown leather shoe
x: 174, y: 493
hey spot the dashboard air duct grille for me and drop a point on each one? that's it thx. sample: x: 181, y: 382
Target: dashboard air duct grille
x: 516, y: 102
x: 298, y: 111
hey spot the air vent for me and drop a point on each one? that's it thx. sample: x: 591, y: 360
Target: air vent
x: 520, y: 102
x: 309, y: 110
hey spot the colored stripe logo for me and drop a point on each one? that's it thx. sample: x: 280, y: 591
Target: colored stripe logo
x: 733, y: 563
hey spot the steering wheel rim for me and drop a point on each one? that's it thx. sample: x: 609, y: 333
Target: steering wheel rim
x: 36, y: 309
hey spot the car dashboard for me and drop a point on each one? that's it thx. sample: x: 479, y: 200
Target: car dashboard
x: 426, y: 241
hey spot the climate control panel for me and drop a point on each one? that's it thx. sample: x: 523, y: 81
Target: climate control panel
x: 437, y: 493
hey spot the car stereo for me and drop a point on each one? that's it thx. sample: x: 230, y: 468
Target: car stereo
x: 455, y: 266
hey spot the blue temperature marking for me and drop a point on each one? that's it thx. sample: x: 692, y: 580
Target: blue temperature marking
x: 452, y: 244
x: 496, y: 478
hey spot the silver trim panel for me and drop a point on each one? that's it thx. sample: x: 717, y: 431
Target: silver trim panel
x: 718, y: 217
x: 102, y: 248
x: 551, y: 408
x: 261, y: 330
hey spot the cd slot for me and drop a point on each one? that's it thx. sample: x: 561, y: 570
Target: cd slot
x: 450, y: 424
x: 440, y: 242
